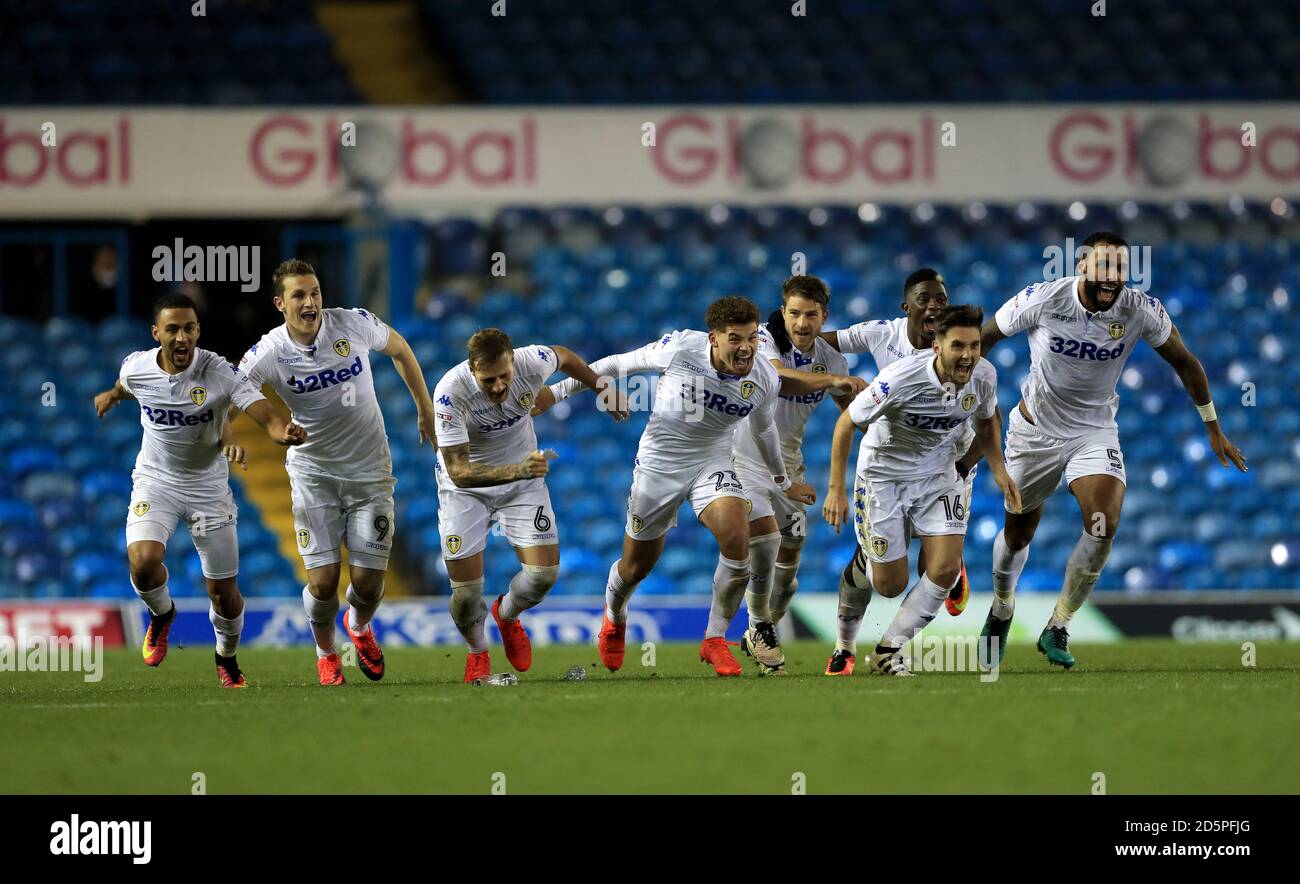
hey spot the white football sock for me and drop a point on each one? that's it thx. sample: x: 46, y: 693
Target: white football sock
x: 527, y: 589
x: 469, y: 613
x: 321, y: 614
x: 361, y: 612
x: 918, y: 609
x: 855, y: 595
x: 1081, y: 572
x: 227, y: 630
x: 762, y: 559
x: 729, y: 580
x: 159, y: 599
x: 617, y: 595
x: 785, y: 583
x: 1007, y: 566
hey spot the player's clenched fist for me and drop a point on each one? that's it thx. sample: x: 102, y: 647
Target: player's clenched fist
x: 847, y: 385
x: 534, y: 466
x: 292, y: 434
x: 236, y: 455
x: 836, y: 508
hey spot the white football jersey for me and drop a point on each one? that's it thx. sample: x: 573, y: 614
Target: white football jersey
x: 885, y: 339
x: 696, y: 407
x: 330, y: 392
x: 919, y: 417
x: 182, y: 413
x: 497, y: 433
x: 1076, y: 357
x: 792, y: 412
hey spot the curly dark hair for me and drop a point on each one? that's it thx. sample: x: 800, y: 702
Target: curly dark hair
x: 730, y: 311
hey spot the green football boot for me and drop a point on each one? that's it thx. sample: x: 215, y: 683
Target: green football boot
x: 1055, y: 643
x: 994, y: 628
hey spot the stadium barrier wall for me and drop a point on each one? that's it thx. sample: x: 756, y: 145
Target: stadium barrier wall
x: 287, y: 162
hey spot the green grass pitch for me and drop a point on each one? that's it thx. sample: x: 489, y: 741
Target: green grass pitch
x: 1152, y: 716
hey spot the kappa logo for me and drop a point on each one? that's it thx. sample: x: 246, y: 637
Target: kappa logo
x: 198, y: 395
x: 1116, y: 331
x: 342, y: 347
x: 526, y: 399
x: 140, y: 508
x: 968, y: 402
x: 879, y: 546
x: 747, y: 389
x: 453, y: 544
x: 637, y: 524
x: 304, y: 538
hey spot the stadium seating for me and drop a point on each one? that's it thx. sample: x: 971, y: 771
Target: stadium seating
x: 75, y: 52
x: 677, y: 51
x: 605, y: 280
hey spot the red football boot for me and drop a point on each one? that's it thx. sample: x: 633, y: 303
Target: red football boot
x: 519, y: 650
x: 959, y: 595
x: 840, y: 663
x: 611, y: 643
x: 477, y: 666
x: 715, y: 652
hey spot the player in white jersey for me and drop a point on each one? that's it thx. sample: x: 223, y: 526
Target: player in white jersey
x: 888, y: 340
x: 489, y: 468
x: 906, y: 476
x: 709, y: 382
x: 341, y: 480
x: 181, y: 473
x: 777, y: 523
x: 1082, y: 330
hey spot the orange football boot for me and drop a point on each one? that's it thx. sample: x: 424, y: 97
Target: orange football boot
x: 330, y: 669
x: 715, y: 652
x: 959, y: 595
x: 519, y: 650
x: 370, y: 659
x: 228, y: 672
x: 154, y: 649
x: 840, y: 663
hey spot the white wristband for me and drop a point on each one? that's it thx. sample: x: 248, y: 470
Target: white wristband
x: 559, y: 392
x: 1207, y: 412
x: 785, y: 483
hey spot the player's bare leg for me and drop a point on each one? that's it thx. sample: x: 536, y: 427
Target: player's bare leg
x: 638, y: 560
x: 539, y: 566
x: 320, y: 598
x: 149, y: 577
x: 364, y: 594
x: 759, y: 640
x: 1010, y: 553
x: 469, y: 613
x: 1100, y: 498
x: 727, y: 519
x: 943, y: 555
x: 226, y: 613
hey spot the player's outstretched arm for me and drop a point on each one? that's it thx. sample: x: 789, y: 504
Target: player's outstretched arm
x: 408, y: 369
x: 230, y: 447
x: 799, y: 383
x: 277, y: 426
x: 988, y: 435
x: 652, y: 357
x: 836, y: 508
x: 1192, y: 374
x: 479, y: 475
x: 105, y: 401
x: 990, y: 334
x: 609, y: 396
